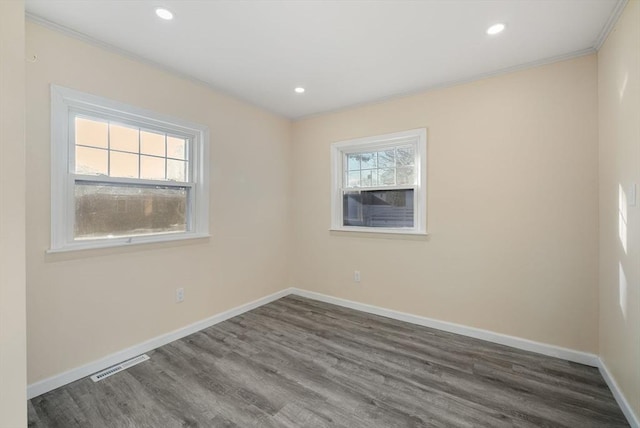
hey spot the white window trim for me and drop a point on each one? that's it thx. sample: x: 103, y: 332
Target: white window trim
x: 339, y: 149
x: 64, y: 103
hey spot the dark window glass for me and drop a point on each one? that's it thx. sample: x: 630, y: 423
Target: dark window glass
x: 378, y: 208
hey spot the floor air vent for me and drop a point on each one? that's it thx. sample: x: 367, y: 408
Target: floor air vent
x: 119, y: 367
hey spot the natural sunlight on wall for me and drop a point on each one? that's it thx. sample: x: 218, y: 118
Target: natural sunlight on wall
x: 622, y: 289
x: 623, y: 86
x: 622, y: 217
x: 619, y: 214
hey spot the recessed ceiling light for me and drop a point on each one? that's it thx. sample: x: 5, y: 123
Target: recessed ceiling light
x: 495, y: 29
x: 164, y: 14
x: 299, y: 90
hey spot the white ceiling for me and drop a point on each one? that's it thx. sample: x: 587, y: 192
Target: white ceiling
x: 343, y: 52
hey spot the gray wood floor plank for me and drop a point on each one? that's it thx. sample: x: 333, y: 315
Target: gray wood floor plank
x: 59, y: 410
x: 212, y: 390
x: 33, y: 418
x: 302, y: 363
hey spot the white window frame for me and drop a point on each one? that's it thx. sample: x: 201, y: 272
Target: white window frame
x: 65, y: 105
x: 339, y: 152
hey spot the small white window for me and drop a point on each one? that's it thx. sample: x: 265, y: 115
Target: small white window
x: 122, y: 175
x: 379, y: 183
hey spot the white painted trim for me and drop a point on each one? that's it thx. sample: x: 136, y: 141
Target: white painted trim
x: 131, y: 241
x: 414, y: 137
x: 77, y: 373
x: 128, y: 54
x: 593, y: 360
x: 490, y: 336
x: 65, y: 105
x: 610, y: 24
x: 374, y: 231
x: 450, y: 83
x: 109, y: 47
x: 632, y: 418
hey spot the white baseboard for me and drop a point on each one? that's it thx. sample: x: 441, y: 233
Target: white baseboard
x: 632, y: 418
x: 72, y: 375
x: 593, y: 360
x: 490, y: 336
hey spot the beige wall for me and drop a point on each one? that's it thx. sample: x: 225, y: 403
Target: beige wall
x: 13, y: 410
x: 85, y: 305
x: 512, y: 207
x: 512, y: 210
x: 619, y: 111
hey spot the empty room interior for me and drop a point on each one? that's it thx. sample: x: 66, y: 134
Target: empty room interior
x: 320, y: 213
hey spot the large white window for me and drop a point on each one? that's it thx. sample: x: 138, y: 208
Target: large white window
x: 379, y: 183
x: 122, y: 175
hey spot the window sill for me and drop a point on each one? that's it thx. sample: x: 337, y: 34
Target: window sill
x: 393, y: 234
x: 125, y: 242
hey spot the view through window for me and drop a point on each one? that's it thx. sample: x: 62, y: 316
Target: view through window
x: 380, y: 183
x: 124, y: 175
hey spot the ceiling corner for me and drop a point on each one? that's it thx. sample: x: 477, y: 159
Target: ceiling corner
x: 611, y: 22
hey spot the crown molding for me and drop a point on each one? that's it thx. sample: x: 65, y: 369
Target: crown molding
x: 610, y: 24
x: 608, y: 27
x: 128, y: 54
x: 456, y: 82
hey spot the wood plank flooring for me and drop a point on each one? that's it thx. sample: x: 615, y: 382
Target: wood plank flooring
x: 302, y: 363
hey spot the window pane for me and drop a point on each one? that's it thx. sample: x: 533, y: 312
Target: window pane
x: 386, y: 159
x: 104, y: 211
x: 405, y: 175
x: 353, y: 162
x: 151, y: 168
x: 405, y: 156
x: 368, y: 160
x: 152, y: 143
x: 378, y: 208
x: 354, y: 179
x: 92, y: 133
x: 91, y: 161
x: 123, y: 165
x: 177, y: 148
x: 123, y: 138
x: 176, y: 170
x: 374, y: 177
x: 368, y: 177
x: 387, y: 176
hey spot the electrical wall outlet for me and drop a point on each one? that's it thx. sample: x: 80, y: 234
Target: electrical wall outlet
x: 356, y: 276
x: 179, y: 295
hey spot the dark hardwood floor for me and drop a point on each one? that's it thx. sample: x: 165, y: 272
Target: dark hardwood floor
x: 301, y: 363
